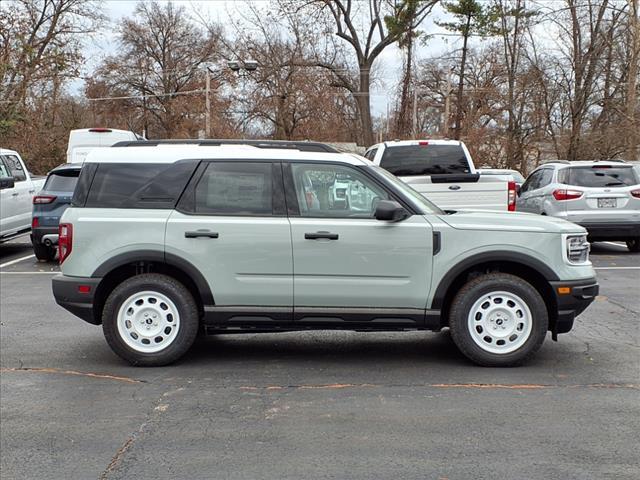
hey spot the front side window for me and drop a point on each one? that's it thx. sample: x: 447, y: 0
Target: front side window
x: 545, y: 178
x: 15, y: 167
x: 335, y: 191
x: 413, y: 160
x: 4, y: 170
x: 235, y: 188
x: 533, y: 182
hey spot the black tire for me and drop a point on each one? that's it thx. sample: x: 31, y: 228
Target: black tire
x: 634, y: 244
x: 472, y: 292
x: 44, y: 253
x: 177, y: 293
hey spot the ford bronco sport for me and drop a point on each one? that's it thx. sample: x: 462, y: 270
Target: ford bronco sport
x: 163, y: 242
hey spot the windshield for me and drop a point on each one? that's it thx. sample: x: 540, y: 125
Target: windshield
x: 599, y: 176
x: 423, y: 203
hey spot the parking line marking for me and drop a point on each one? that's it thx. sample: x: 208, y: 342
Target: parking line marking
x: 17, y: 260
x: 616, y: 268
x: 28, y: 273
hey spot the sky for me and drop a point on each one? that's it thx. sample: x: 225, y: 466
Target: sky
x: 388, y: 66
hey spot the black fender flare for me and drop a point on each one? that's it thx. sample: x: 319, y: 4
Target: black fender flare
x: 488, y: 257
x: 158, y: 257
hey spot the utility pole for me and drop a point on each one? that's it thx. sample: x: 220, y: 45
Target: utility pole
x: 207, y: 130
x: 415, y: 113
x: 447, y: 105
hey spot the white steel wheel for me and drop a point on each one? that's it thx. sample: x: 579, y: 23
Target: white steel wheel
x: 148, y: 321
x: 500, y: 322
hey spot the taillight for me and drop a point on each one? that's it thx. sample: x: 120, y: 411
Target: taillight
x: 564, y: 194
x: 511, y: 197
x: 40, y: 199
x: 423, y: 143
x: 65, y: 240
x: 35, y: 222
x: 635, y: 193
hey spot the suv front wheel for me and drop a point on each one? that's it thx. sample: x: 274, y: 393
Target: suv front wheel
x: 498, y: 320
x: 150, y: 320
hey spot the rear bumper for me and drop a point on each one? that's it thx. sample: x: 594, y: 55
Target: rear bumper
x: 618, y: 230
x: 67, y: 294
x: 572, y: 304
x: 39, y: 232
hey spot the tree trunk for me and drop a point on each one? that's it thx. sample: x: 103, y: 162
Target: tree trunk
x: 631, y: 94
x: 364, y: 106
x: 463, y: 61
x: 402, y: 123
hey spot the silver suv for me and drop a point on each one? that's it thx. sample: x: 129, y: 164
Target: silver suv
x: 163, y: 242
x: 602, y: 196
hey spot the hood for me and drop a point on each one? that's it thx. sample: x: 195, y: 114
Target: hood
x: 510, y: 221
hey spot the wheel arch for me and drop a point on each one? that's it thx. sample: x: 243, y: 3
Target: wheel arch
x: 117, y: 269
x: 526, y: 267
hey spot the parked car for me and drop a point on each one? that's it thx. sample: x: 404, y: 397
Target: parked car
x: 162, y: 242
x: 48, y: 207
x: 83, y: 140
x: 17, y: 187
x: 602, y: 196
x: 443, y: 172
x: 516, y: 175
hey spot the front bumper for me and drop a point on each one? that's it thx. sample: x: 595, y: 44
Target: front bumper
x: 617, y: 231
x: 580, y: 295
x: 68, y: 295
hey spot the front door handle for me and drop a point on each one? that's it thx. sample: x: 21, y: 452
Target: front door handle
x: 201, y: 233
x: 454, y: 187
x: 15, y: 194
x: 321, y: 235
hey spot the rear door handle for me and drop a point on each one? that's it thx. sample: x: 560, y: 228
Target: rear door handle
x: 15, y: 194
x: 454, y: 187
x: 201, y: 233
x: 320, y: 235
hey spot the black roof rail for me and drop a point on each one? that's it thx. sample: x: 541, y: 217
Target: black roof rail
x: 302, y: 146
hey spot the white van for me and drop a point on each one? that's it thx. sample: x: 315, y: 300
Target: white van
x: 83, y: 140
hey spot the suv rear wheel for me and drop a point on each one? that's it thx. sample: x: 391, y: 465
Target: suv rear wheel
x: 498, y: 320
x: 43, y: 252
x: 634, y: 244
x: 150, y: 320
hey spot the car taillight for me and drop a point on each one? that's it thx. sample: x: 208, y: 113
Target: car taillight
x: 35, y: 222
x: 40, y: 199
x: 65, y: 240
x: 423, y: 143
x: 635, y: 193
x: 564, y: 194
x: 511, y: 197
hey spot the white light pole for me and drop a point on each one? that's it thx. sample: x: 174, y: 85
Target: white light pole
x: 243, y: 68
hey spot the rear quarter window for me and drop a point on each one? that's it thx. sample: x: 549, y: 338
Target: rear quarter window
x: 138, y: 185
x: 599, y: 176
x: 413, y: 160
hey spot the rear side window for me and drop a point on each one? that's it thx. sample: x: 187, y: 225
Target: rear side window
x: 138, y: 185
x: 17, y: 172
x: 238, y: 188
x: 412, y: 160
x: 62, y: 181
x: 599, y: 176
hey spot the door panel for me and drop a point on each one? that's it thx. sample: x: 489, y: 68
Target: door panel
x: 370, y: 264
x: 248, y: 263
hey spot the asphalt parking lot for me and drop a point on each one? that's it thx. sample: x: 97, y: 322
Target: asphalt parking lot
x: 316, y: 405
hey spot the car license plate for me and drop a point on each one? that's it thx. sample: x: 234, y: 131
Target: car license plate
x: 607, y: 203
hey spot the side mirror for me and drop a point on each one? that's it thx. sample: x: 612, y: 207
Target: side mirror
x: 390, y: 211
x: 7, y: 182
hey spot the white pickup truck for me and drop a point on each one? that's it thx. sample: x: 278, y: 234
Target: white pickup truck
x: 17, y: 188
x: 443, y: 172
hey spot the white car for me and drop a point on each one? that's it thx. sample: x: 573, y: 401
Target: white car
x: 17, y: 188
x: 443, y: 172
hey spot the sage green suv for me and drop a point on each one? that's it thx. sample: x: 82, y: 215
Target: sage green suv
x: 164, y: 242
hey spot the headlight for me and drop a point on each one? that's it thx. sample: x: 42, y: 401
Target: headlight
x: 577, y: 249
